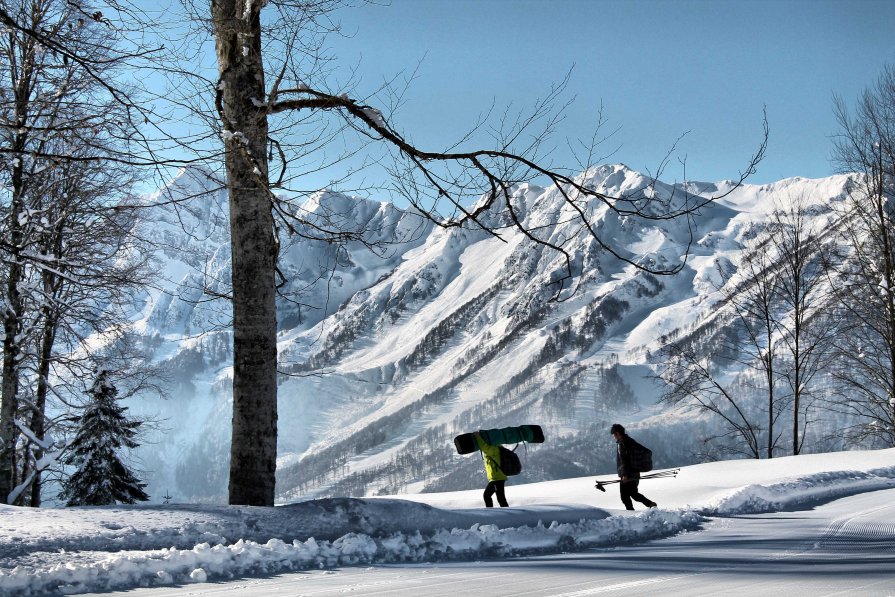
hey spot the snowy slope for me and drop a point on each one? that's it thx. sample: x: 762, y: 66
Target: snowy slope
x: 391, y: 353
x: 82, y: 550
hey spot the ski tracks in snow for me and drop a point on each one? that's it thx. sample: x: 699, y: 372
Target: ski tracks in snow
x: 872, y: 529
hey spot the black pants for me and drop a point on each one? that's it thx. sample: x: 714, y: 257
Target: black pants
x: 629, y: 491
x: 492, y: 488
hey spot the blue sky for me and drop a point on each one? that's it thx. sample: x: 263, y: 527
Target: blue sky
x: 660, y: 69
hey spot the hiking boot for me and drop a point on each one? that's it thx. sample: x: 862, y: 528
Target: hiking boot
x: 652, y: 505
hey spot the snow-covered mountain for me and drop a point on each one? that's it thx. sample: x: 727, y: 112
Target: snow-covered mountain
x: 388, y: 353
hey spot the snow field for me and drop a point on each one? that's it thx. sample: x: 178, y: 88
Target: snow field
x: 78, y: 550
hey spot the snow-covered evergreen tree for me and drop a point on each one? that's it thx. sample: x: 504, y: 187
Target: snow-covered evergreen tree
x: 101, y: 477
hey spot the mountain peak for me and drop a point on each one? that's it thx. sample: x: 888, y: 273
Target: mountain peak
x: 390, y: 351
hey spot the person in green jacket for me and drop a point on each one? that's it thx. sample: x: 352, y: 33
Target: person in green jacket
x: 496, y: 477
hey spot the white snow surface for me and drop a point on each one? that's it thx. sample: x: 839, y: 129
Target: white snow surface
x: 83, y: 550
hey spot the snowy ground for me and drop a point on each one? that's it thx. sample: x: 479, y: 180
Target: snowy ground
x: 817, y: 523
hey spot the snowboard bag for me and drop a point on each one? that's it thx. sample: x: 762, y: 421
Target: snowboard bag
x: 465, y: 442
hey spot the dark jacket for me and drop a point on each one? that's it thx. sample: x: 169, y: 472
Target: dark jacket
x: 623, y: 459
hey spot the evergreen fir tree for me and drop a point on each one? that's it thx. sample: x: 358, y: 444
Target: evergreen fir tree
x: 101, y: 478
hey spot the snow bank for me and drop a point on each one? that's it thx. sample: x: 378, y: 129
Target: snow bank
x: 77, y: 550
x: 801, y: 492
x: 205, y: 562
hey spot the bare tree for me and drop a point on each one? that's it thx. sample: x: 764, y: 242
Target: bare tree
x: 807, y: 327
x: 61, y: 132
x: 866, y: 145
x: 695, y: 381
x: 776, y: 320
x: 754, y: 301
x: 90, y: 265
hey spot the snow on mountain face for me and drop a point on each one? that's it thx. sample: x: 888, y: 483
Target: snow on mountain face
x: 387, y: 353
x: 190, y: 227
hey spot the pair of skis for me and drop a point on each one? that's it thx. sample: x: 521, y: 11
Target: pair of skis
x: 658, y: 475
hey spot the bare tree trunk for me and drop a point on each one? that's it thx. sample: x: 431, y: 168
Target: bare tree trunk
x: 38, y: 414
x: 772, y: 416
x: 796, y: 398
x: 9, y: 399
x: 20, y: 70
x: 888, y: 275
x: 799, y: 281
x: 12, y: 327
x: 241, y: 94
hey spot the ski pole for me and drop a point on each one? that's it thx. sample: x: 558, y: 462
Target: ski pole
x: 600, y: 484
x: 659, y: 475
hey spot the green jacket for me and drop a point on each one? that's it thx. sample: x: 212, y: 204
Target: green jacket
x: 491, y: 456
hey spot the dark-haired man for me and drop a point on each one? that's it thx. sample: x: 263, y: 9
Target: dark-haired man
x: 630, y: 478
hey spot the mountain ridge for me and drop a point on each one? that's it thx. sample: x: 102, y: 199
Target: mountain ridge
x: 454, y: 329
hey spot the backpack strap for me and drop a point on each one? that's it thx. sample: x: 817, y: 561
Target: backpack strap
x: 494, y: 462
